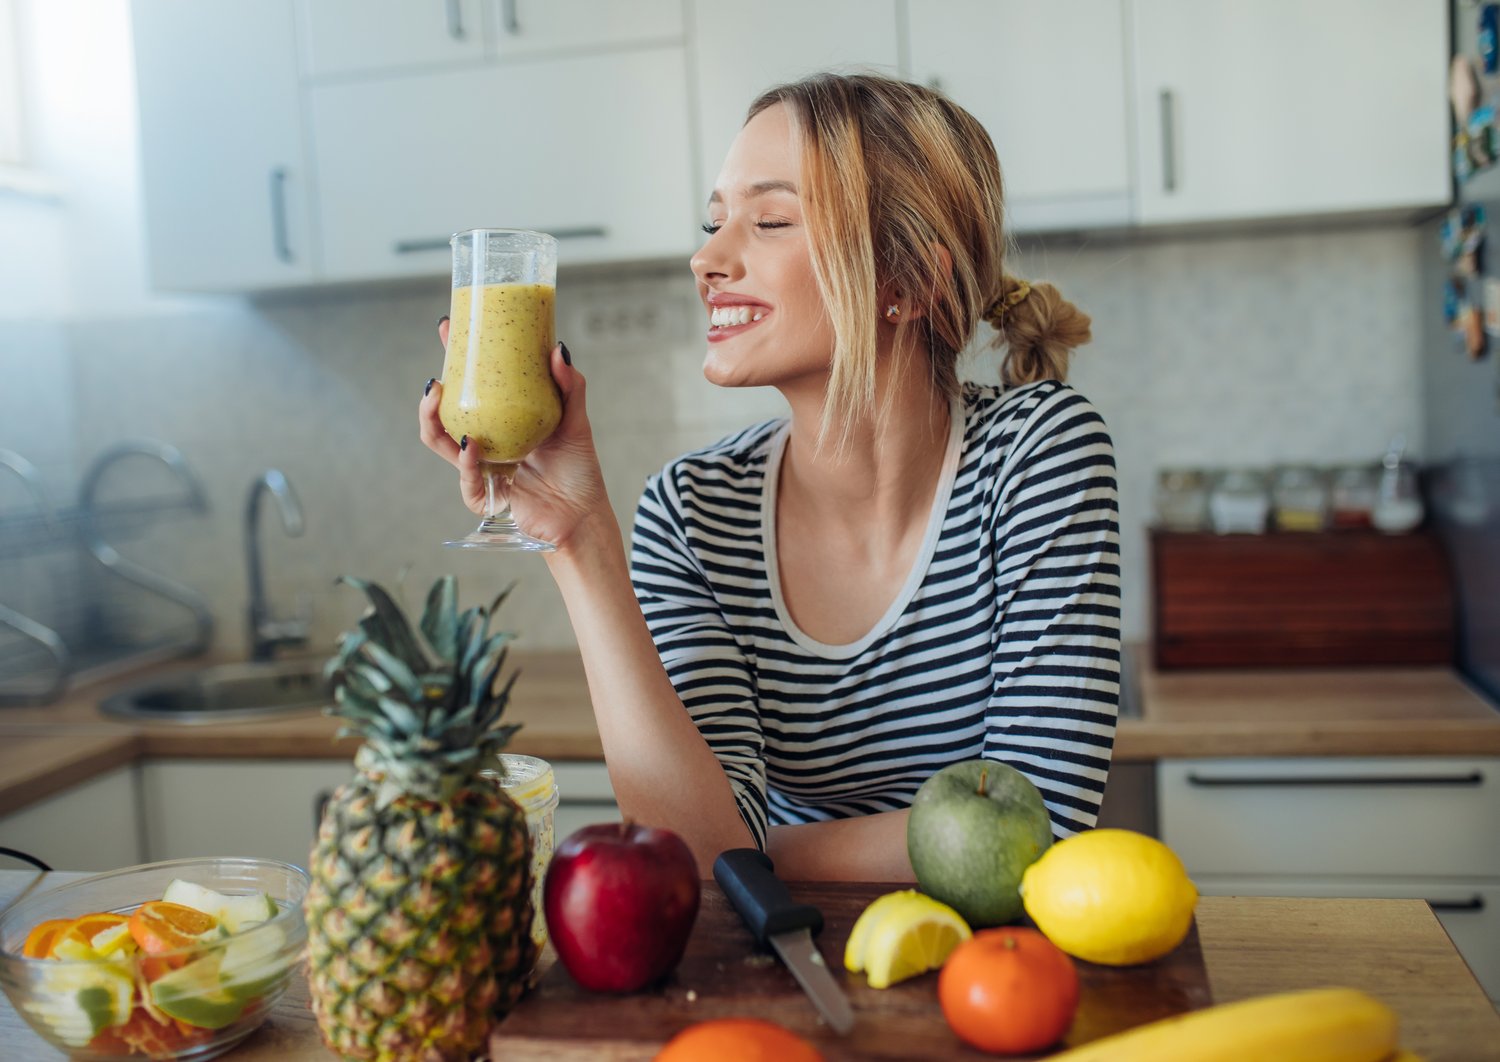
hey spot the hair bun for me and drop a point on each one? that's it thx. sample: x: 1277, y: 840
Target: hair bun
x: 1040, y: 329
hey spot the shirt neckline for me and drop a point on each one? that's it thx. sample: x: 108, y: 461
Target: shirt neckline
x: 935, y: 520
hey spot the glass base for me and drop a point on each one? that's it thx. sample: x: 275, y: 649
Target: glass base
x: 500, y: 534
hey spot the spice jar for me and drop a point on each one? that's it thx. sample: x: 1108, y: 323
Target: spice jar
x: 1352, y: 495
x: 1182, y: 499
x: 1239, y: 503
x: 1299, y: 496
x: 529, y: 782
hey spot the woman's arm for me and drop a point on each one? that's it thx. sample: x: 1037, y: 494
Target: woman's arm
x: 661, y: 769
x: 865, y: 848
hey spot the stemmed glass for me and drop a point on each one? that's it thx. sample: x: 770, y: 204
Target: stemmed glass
x: 497, y: 380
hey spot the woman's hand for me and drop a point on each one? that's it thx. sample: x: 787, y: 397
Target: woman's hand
x: 557, y: 487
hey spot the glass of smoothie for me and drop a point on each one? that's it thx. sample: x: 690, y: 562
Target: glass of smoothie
x: 497, y: 381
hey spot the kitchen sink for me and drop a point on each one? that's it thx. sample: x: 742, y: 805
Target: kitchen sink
x: 224, y: 693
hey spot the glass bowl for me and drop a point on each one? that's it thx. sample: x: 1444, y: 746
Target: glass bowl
x: 191, y: 1002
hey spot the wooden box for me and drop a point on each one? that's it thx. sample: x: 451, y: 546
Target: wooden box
x: 1331, y: 599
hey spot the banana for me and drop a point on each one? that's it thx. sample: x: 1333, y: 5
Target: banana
x: 1317, y: 1025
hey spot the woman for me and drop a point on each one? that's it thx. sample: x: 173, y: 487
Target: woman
x: 820, y: 612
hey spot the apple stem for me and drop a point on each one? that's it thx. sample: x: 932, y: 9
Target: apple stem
x: 983, y: 774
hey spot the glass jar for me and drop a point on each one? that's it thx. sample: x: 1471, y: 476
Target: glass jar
x: 1352, y: 491
x: 1181, y: 499
x: 1299, y: 497
x: 1239, y: 503
x: 529, y: 781
x: 1398, y: 497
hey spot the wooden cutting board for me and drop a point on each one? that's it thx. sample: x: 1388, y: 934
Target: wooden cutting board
x: 722, y: 976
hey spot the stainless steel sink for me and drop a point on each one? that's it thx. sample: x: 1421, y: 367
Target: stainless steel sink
x: 224, y: 693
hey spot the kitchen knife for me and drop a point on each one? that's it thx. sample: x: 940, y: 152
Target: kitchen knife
x: 748, y: 878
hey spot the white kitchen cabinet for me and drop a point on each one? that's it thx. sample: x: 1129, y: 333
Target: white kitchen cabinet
x: 809, y: 36
x: 376, y: 36
x: 258, y: 808
x: 1281, y: 108
x: 584, y: 796
x: 404, y: 162
x: 225, y: 177
x: 93, y: 826
x: 535, y: 27
x: 1048, y: 82
x: 1360, y: 826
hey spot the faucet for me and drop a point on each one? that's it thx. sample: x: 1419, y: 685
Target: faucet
x: 267, y: 634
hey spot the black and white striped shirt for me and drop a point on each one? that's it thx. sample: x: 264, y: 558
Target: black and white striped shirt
x: 1004, y: 642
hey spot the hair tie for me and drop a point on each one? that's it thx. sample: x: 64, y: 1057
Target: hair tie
x: 1005, y: 303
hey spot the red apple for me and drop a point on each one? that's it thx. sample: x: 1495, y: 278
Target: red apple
x: 620, y: 901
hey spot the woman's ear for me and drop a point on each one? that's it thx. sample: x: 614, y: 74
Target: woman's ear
x: 895, y: 307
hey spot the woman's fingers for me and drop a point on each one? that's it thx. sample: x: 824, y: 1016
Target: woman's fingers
x: 430, y: 425
x: 574, y: 389
x: 470, y: 478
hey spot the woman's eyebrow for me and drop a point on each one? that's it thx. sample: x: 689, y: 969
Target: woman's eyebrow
x: 757, y: 189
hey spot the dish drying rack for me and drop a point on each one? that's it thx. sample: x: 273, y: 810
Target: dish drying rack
x: 64, y: 584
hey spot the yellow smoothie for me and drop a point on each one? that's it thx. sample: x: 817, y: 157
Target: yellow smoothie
x: 497, y: 384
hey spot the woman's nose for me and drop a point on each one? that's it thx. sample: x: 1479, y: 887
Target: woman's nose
x: 717, y: 257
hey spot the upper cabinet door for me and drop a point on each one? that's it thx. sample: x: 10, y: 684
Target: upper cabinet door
x: 740, y: 52
x: 225, y: 183
x: 1282, y: 107
x: 405, y: 162
x: 526, y: 27
x: 1047, y: 81
x: 366, y: 36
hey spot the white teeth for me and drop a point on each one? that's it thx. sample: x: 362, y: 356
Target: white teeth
x: 728, y: 316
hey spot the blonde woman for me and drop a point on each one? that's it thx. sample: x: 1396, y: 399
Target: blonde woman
x: 818, y: 613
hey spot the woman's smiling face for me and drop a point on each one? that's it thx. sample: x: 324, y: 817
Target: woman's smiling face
x: 767, y: 321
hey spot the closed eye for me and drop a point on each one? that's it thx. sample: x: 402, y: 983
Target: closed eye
x: 711, y: 228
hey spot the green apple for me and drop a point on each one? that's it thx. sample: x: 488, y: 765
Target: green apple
x: 973, y: 829
x: 77, y: 1001
x: 195, y: 994
x: 253, y: 962
x: 234, y: 913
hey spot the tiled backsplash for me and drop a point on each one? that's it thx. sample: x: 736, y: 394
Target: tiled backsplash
x: 1208, y: 351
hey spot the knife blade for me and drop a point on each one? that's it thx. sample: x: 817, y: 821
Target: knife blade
x: 748, y: 878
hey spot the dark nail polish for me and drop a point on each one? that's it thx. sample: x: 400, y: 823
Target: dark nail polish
x: 442, y: 318
x: 428, y: 389
x: 463, y: 444
x: 567, y: 358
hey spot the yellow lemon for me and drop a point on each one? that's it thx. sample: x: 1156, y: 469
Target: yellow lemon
x: 878, y: 908
x: 1110, y: 896
x: 908, y: 935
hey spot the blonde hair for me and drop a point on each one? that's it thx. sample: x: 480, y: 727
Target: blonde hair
x: 892, y: 172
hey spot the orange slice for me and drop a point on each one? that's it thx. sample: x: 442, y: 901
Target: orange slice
x: 39, y: 941
x: 159, y: 926
x: 77, y: 940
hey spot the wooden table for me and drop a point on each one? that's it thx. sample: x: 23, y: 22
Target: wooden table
x: 1394, y: 949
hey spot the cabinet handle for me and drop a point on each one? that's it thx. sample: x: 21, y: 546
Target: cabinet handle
x: 589, y: 802
x: 510, y: 17
x: 1473, y: 903
x: 278, y: 214
x: 441, y: 243
x: 1168, y: 141
x: 1472, y: 778
x: 455, y: 20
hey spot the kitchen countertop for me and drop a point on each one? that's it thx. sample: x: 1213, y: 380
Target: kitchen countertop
x: 1343, y: 712
x: 1393, y: 949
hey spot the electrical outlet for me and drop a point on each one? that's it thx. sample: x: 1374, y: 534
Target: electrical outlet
x: 627, y: 319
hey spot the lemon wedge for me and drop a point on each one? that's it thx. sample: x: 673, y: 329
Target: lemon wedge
x: 903, y: 934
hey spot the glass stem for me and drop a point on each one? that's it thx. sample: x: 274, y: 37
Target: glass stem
x: 497, y: 481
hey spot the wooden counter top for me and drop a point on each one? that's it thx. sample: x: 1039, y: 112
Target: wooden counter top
x: 1346, y: 712
x: 1393, y: 949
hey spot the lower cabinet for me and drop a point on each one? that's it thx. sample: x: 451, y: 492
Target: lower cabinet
x: 93, y: 826
x: 1394, y: 827
x: 260, y: 808
x: 584, y: 796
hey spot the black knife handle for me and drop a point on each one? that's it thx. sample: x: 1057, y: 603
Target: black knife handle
x: 748, y: 878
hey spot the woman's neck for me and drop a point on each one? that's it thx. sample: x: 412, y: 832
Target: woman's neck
x: 888, y: 467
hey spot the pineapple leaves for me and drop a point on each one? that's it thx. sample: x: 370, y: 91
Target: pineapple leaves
x: 440, y: 622
x: 386, y: 625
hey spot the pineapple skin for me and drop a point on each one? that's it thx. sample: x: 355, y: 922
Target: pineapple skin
x: 419, y: 921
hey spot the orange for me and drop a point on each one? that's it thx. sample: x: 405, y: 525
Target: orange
x: 39, y: 941
x: 1008, y: 991
x: 78, y: 937
x: 159, y: 926
x: 737, y: 1040
x: 144, y: 1035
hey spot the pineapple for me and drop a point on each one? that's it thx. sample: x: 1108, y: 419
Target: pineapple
x: 419, y: 916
